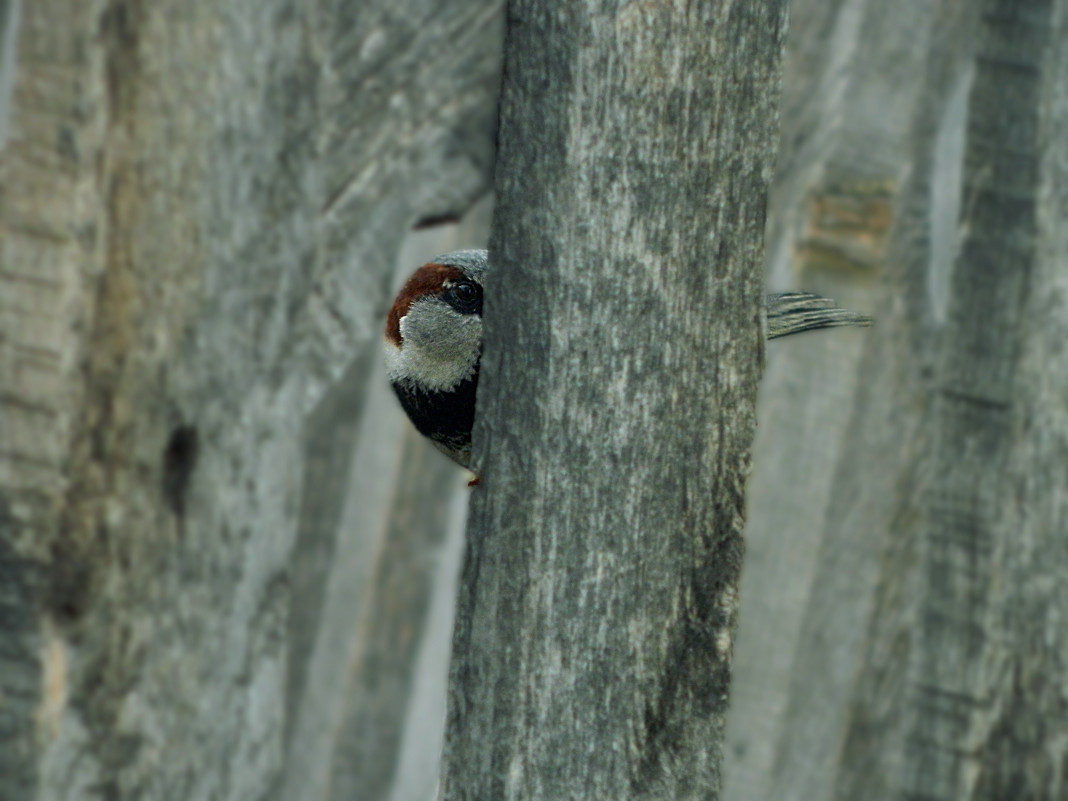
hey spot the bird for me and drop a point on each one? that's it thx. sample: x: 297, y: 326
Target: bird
x: 433, y: 343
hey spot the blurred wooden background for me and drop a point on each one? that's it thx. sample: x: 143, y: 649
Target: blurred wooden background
x: 226, y: 560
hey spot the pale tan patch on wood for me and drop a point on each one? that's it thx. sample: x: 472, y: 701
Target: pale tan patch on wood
x: 846, y: 230
x: 54, y: 685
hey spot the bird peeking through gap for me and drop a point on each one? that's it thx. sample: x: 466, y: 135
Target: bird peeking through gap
x: 433, y: 343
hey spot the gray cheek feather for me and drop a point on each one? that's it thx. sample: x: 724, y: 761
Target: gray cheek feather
x: 440, y: 346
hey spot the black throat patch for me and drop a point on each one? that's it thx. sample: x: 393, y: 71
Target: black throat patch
x: 445, y: 417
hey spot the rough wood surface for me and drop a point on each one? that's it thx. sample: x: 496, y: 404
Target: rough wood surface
x: 850, y: 84
x: 966, y: 648
x: 201, y: 205
x: 919, y: 669
x: 597, y: 606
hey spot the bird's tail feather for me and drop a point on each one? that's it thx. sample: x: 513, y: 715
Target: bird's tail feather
x: 794, y: 312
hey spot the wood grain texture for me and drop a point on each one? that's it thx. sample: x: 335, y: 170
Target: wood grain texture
x: 986, y: 670
x: 616, y: 404
x: 948, y: 692
x: 201, y: 206
x: 855, y: 74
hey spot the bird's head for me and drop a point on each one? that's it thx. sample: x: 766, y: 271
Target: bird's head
x: 433, y: 334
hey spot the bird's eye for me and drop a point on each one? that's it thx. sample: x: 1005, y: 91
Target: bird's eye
x: 465, y: 292
x: 465, y: 297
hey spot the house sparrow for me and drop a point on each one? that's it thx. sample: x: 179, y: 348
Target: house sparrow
x: 433, y: 342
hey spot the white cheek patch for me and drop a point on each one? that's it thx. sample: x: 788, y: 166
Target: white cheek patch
x: 437, y: 355
x: 394, y: 360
